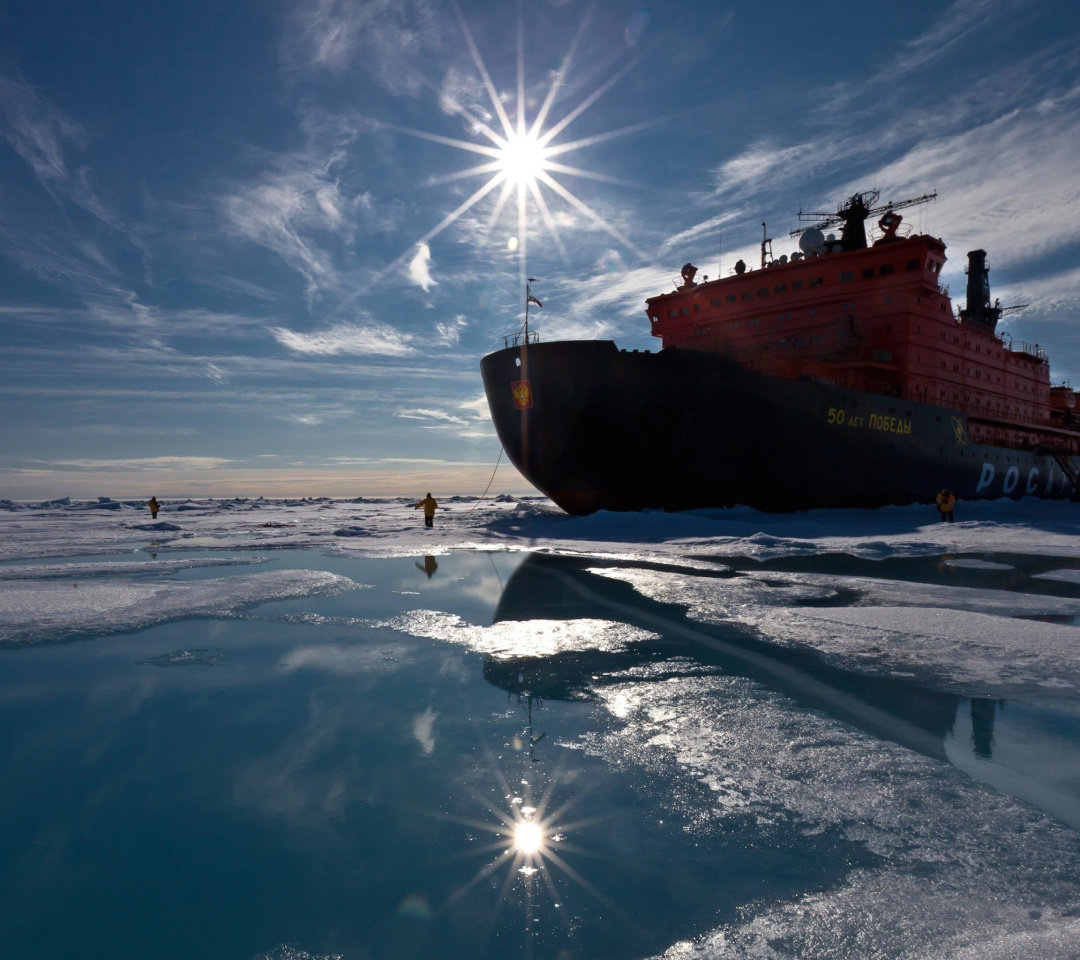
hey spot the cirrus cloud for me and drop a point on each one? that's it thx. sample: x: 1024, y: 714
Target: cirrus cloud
x: 374, y: 339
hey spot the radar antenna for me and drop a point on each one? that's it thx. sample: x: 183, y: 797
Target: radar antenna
x: 860, y: 205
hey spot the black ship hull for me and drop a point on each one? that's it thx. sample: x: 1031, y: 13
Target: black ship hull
x: 596, y: 428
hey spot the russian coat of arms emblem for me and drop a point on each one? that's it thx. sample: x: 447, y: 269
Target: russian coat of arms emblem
x: 522, y: 394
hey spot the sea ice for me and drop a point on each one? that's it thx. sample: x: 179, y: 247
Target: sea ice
x: 961, y: 868
x: 961, y: 638
x: 35, y: 611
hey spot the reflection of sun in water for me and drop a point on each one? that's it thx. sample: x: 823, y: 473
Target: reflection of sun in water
x: 529, y: 843
x: 528, y: 837
x: 520, y: 157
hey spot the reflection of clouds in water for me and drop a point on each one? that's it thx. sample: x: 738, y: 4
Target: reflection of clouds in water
x: 524, y: 638
x: 422, y: 726
x: 964, y: 871
x: 293, y: 782
x: 347, y: 659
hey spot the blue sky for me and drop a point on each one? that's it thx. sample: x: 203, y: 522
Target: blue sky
x: 230, y: 265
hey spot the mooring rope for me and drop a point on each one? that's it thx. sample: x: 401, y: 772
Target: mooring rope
x: 488, y: 487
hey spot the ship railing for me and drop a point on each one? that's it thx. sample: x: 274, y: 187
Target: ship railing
x: 1031, y: 349
x: 943, y: 289
x: 521, y: 339
x: 1022, y: 346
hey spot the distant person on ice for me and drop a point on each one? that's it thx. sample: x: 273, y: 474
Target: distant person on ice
x: 945, y: 501
x: 154, y: 507
x: 429, y: 504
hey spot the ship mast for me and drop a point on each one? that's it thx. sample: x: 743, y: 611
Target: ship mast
x: 528, y: 299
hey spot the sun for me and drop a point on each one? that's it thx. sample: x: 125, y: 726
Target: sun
x: 522, y: 159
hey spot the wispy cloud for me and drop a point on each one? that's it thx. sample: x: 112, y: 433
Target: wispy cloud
x: 41, y: 238
x: 144, y: 463
x: 284, y: 209
x: 388, y: 38
x: 373, y: 339
x: 441, y: 416
x: 449, y: 333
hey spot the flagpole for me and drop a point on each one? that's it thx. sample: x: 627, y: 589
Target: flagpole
x: 528, y: 297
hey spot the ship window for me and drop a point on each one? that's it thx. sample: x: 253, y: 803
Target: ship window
x: 888, y: 328
x: 796, y: 284
x: 747, y: 295
x: 800, y: 342
x: 685, y: 311
x: 717, y: 302
x: 847, y: 276
x: 780, y: 288
x: 868, y: 273
x: 697, y: 307
x: 815, y: 341
x: 763, y: 292
x: 655, y: 319
x: 886, y: 269
x: 815, y: 281
x: 731, y: 298
x: 913, y: 264
x: 673, y: 313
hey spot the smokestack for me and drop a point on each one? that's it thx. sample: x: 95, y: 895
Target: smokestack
x: 978, y: 309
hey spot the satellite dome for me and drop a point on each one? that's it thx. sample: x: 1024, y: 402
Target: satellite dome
x: 812, y: 242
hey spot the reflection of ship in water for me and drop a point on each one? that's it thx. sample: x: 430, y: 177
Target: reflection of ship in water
x: 561, y: 588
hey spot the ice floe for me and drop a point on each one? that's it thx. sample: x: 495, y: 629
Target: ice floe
x: 35, y: 611
x: 965, y: 639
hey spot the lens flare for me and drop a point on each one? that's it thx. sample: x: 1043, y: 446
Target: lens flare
x: 519, y: 156
x: 528, y: 837
x: 522, y: 159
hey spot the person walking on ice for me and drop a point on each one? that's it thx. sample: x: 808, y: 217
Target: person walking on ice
x: 154, y: 507
x: 429, y: 504
x: 945, y: 501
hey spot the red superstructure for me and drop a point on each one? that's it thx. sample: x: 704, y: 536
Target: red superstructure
x: 876, y: 319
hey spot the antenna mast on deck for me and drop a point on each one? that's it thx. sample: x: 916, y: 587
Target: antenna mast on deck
x: 529, y: 298
x: 862, y: 203
x: 766, y: 246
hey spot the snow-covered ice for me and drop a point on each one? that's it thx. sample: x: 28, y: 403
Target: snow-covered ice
x: 393, y: 528
x: 35, y: 611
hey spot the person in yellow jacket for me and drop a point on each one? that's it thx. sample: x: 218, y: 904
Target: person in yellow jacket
x: 154, y: 507
x: 945, y: 501
x: 429, y: 504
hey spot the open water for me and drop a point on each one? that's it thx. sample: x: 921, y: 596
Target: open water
x: 483, y: 755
